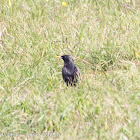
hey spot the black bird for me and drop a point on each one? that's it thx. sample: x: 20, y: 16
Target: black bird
x: 70, y: 72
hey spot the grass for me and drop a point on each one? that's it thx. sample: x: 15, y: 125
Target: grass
x: 102, y: 36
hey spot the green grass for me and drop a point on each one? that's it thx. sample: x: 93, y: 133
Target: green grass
x: 104, y: 39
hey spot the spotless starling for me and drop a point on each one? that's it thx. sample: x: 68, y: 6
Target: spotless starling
x: 70, y: 72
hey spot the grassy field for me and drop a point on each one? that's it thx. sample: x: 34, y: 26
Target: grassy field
x: 103, y: 36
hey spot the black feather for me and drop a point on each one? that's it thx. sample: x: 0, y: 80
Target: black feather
x: 70, y: 72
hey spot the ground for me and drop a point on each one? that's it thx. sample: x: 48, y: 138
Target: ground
x: 104, y: 39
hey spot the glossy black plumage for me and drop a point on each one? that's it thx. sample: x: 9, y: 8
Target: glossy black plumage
x: 70, y: 72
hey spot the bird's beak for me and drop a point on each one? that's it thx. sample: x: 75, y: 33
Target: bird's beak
x: 58, y: 56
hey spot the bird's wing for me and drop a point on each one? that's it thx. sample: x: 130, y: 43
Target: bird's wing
x: 76, y: 72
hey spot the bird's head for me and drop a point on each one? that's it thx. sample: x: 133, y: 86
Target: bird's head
x: 66, y: 58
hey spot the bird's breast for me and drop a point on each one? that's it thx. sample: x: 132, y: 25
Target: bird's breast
x: 66, y: 71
